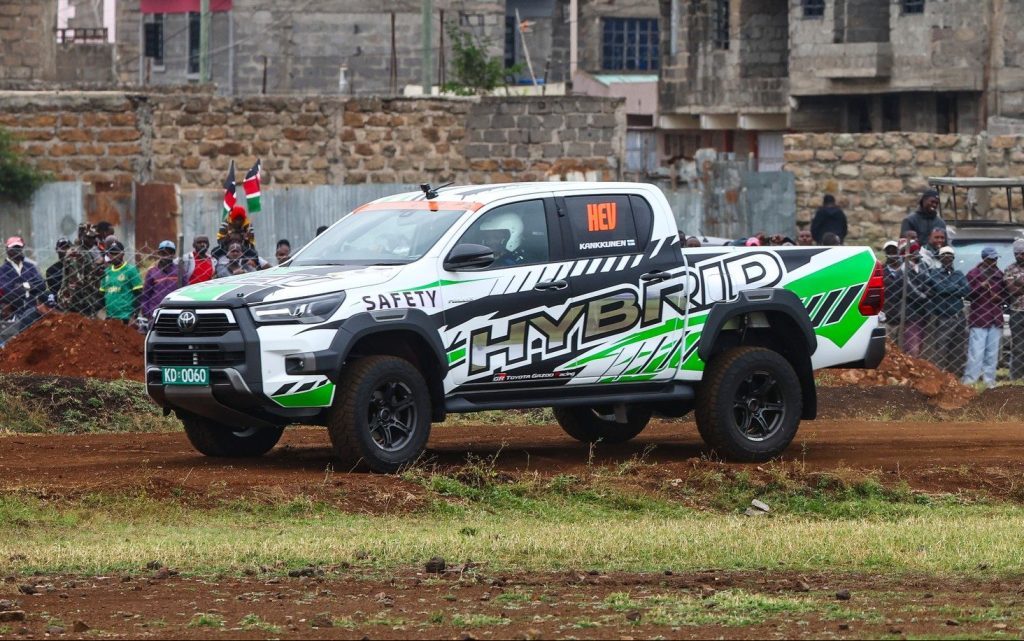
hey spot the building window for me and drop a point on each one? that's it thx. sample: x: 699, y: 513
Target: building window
x: 630, y: 44
x: 193, y: 42
x: 814, y: 8
x: 510, y: 41
x: 154, y: 34
x: 913, y: 6
x: 721, y: 24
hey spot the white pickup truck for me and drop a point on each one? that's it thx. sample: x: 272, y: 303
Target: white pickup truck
x: 575, y: 296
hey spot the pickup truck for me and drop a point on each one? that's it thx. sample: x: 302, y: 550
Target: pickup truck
x: 574, y: 296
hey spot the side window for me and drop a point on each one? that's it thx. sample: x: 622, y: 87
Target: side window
x: 602, y: 226
x: 517, y: 233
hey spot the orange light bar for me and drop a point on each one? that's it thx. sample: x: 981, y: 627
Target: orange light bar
x: 422, y: 205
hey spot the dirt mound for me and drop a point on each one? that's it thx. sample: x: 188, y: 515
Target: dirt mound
x: 73, y: 345
x: 899, y: 368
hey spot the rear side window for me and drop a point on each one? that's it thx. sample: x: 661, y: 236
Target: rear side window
x: 602, y: 225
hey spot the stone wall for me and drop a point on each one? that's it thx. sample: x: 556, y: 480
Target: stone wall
x: 28, y: 50
x: 878, y: 178
x: 189, y: 138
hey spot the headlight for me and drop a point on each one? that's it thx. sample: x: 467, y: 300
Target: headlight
x: 301, y: 310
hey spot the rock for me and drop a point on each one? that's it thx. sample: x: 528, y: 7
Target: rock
x: 843, y: 627
x: 466, y: 636
x: 802, y: 586
x: 753, y: 512
x: 10, y: 616
x: 760, y: 505
x: 161, y: 574
x: 80, y: 626
x: 8, y: 604
x: 27, y: 589
x: 486, y: 596
x: 55, y: 629
x: 306, y: 571
x: 843, y: 595
x: 154, y: 565
x: 385, y: 600
x: 633, y: 615
x: 999, y: 626
x: 435, y: 565
x: 593, y: 572
x: 668, y: 572
x: 952, y: 623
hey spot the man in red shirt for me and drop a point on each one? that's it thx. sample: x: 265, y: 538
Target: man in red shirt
x: 988, y: 292
x: 199, y: 264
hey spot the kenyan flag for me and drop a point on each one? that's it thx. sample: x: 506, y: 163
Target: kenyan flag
x: 229, y: 191
x: 252, y: 188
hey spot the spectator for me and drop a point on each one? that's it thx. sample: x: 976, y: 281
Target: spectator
x: 947, y: 327
x: 234, y: 262
x: 20, y: 281
x: 804, y: 238
x: 55, y: 272
x: 1014, y: 278
x: 103, y: 231
x: 925, y: 219
x: 161, y: 279
x: 121, y: 286
x: 753, y: 241
x: 988, y: 292
x: 930, y: 253
x: 892, y: 277
x: 321, y: 229
x: 87, y: 239
x: 198, y: 266
x: 915, y: 308
x: 830, y: 239
x: 283, y: 251
x: 828, y: 219
x: 693, y: 242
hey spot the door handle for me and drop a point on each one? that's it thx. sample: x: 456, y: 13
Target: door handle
x: 655, y: 276
x: 550, y: 285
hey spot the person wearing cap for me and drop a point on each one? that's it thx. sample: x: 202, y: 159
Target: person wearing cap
x: 20, y: 281
x: 915, y: 309
x: 55, y: 272
x: 1014, y: 277
x: 946, y: 336
x: 988, y: 293
x: 121, y: 286
x: 161, y: 279
x: 926, y: 218
x: 892, y: 279
x: 829, y: 218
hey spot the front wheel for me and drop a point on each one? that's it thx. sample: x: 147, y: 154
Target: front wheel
x: 749, y: 404
x: 218, y: 440
x: 381, y: 419
x: 598, y: 424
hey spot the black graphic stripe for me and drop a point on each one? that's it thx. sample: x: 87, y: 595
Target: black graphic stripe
x: 305, y: 387
x: 284, y: 389
x: 843, y: 305
x: 813, y: 303
x: 830, y: 300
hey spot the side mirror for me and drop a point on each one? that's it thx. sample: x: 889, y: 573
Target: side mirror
x: 469, y: 256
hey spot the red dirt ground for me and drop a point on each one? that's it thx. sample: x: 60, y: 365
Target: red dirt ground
x: 73, y: 345
x: 930, y: 456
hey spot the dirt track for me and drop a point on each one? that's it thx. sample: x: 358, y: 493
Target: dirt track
x: 932, y: 456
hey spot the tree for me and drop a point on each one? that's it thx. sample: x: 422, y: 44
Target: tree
x: 18, y: 179
x: 473, y: 72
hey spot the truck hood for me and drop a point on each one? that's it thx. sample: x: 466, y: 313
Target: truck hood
x: 284, y: 283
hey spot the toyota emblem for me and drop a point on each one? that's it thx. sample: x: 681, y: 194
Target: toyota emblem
x: 187, y: 321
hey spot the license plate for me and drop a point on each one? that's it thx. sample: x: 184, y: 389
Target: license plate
x: 185, y: 375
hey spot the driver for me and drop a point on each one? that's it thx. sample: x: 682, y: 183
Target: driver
x: 504, y: 235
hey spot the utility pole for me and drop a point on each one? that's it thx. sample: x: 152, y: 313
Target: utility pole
x: 428, y: 39
x: 204, y: 41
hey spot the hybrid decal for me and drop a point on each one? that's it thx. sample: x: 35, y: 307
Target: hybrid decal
x: 401, y: 300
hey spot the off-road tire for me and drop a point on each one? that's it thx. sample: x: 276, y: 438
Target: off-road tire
x: 224, y: 441
x: 585, y: 424
x: 349, y: 419
x: 731, y: 379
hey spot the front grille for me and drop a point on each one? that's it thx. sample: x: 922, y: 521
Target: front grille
x: 207, y: 324
x: 210, y: 355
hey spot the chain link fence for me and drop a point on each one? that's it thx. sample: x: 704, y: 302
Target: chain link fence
x: 963, y: 321
x: 91, y: 281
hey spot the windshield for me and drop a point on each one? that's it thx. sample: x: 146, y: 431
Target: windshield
x: 968, y: 252
x: 374, y: 235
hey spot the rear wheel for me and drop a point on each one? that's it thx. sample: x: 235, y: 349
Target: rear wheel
x: 749, y: 405
x: 381, y: 419
x: 216, y: 439
x: 593, y: 424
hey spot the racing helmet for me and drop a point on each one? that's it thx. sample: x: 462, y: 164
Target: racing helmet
x: 510, y: 222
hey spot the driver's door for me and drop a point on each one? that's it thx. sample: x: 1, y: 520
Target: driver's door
x: 489, y: 336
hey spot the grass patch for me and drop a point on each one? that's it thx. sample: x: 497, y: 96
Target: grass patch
x: 533, y: 416
x: 477, y: 620
x: 206, y: 620
x: 60, y: 405
x: 254, y: 622
x: 123, y: 535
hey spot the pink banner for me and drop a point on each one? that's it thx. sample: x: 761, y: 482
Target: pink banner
x: 182, y: 6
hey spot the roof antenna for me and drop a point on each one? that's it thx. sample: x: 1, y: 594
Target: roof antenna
x: 430, y: 192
